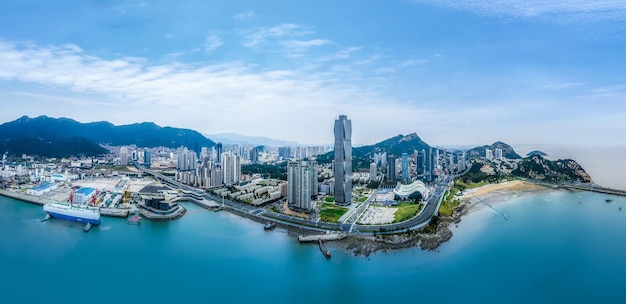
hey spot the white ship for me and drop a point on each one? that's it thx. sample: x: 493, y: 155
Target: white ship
x: 80, y: 212
x: 73, y: 212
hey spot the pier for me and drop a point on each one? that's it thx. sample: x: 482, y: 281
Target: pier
x: 324, y: 250
x: 322, y: 237
x: 506, y: 217
x: 593, y: 188
x: 112, y: 212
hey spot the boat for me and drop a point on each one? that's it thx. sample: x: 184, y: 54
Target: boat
x: 608, y: 200
x: 269, y: 226
x: 73, y: 212
x: 47, y: 217
x: 87, y: 227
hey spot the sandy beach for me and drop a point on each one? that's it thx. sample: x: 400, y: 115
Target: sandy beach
x: 489, y: 193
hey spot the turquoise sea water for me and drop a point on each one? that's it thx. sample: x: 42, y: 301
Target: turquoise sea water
x: 556, y: 247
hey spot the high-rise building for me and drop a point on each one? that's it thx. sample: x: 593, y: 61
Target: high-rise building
x: 147, y: 158
x: 420, y: 163
x: 405, y: 167
x: 343, y: 160
x: 488, y: 154
x: 231, y: 168
x: 254, y: 155
x: 219, y: 152
x: 429, y: 164
x: 391, y: 168
x: 461, y: 162
x: 124, y: 156
x: 186, y: 160
x: 373, y: 169
x: 301, y: 183
x: 284, y: 152
x: 498, y: 154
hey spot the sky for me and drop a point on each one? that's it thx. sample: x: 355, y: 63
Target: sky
x: 456, y: 72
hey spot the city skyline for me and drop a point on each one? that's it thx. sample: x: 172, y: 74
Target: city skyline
x: 455, y: 73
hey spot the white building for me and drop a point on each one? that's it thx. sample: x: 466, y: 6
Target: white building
x: 42, y: 189
x: 231, y: 168
x: 373, y: 171
x: 124, y: 156
x: 488, y: 154
x: 498, y: 154
x: 301, y: 183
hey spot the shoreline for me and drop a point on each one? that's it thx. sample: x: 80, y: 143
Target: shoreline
x: 428, y: 238
x: 438, y: 231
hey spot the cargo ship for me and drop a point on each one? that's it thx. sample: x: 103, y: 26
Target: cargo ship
x: 81, y: 212
x: 72, y: 212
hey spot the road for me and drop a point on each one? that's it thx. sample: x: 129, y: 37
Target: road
x: 431, y: 207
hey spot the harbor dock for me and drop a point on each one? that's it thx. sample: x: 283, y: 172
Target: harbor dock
x: 322, y: 237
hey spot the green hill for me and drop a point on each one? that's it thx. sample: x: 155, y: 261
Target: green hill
x: 53, y: 130
x: 362, y: 156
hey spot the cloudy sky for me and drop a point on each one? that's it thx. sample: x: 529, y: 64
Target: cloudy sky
x: 459, y: 72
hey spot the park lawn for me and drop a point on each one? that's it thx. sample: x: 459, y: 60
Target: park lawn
x: 448, y: 204
x: 362, y: 199
x: 331, y: 214
x: 330, y: 199
x: 406, y: 211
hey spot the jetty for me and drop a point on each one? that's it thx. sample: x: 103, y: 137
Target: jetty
x: 506, y: 217
x: 324, y: 250
x: 594, y: 188
x: 322, y: 237
x: 112, y: 212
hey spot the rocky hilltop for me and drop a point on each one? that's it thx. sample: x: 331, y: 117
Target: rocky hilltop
x: 539, y: 168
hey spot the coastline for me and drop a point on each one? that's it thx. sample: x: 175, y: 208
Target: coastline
x: 438, y: 231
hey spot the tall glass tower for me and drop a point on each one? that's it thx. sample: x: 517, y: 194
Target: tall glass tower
x: 405, y: 168
x: 343, y: 161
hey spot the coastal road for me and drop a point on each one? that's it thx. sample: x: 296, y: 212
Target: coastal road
x: 420, y: 220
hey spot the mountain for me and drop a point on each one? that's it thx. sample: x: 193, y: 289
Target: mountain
x: 539, y: 168
x: 362, y: 156
x: 59, y: 148
x: 238, y: 139
x: 146, y: 134
x: 507, y: 151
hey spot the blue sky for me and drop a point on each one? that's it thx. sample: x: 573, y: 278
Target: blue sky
x: 458, y: 72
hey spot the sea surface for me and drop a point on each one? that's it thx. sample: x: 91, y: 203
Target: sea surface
x: 557, y: 247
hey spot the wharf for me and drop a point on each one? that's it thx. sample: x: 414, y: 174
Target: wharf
x: 38, y: 200
x: 163, y: 217
x: 322, y: 237
x: 112, y: 212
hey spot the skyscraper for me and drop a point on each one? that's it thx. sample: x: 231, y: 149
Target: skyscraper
x: 231, y: 168
x: 498, y: 154
x: 124, y: 156
x: 301, y: 183
x: 147, y: 159
x: 373, y: 171
x: 488, y: 154
x: 405, y: 168
x: 343, y: 160
x: 219, y: 152
x: 391, y: 168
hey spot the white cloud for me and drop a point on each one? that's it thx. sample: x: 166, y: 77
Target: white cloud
x: 342, y: 54
x: 231, y: 97
x: 245, y: 16
x: 296, y: 48
x: 212, y: 42
x: 304, y: 44
x: 259, y: 35
x: 580, y: 9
